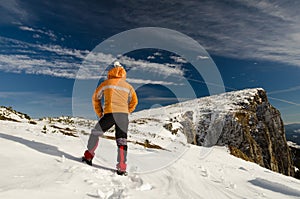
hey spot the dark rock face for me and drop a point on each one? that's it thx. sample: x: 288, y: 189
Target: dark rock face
x: 250, y: 124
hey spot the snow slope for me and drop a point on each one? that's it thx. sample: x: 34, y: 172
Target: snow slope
x: 45, y: 165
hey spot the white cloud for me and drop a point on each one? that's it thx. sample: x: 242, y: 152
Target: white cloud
x: 285, y: 101
x: 269, y: 8
x: 96, y: 63
x: 157, y: 54
x: 202, y: 57
x: 148, y: 81
x: 150, y: 57
x: 259, y: 29
x: 7, y: 95
x: 30, y: 58
x: 178, y: 59
x: 81, y: 54
x: 55, y: 60
x: 49, y: 33
x: 295, y: 88
x: 269, y: 34
x: 158, y: 68
x: 23, y: 63
x: 55, y: 104
x: 12, y: 11
x: 26, y: 28
x: 36, y: 97
x: 36, y: 36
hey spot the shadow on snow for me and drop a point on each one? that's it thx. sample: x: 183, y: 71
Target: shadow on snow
x: 275, y: 187
x: 47, y: 149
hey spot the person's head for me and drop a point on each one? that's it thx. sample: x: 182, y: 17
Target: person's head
x: 117, y: 71
x: 117, y: 64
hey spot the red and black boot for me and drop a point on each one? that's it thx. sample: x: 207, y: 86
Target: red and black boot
x: 122, y: 157
x: 88, y: 157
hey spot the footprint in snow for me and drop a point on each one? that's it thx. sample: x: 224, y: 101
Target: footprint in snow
x: 243, y: 169
x: 231, y: 186
x: 91, y: 182
x: 203, y: 171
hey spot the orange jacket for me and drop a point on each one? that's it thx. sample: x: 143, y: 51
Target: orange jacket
x: 119, y: 96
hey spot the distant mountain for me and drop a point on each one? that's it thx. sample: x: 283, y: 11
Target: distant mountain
x: 292, y: 132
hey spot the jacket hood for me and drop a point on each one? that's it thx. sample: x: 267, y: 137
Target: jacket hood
x: 116, y: 72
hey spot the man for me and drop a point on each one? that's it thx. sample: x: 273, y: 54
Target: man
x: 119, y: 100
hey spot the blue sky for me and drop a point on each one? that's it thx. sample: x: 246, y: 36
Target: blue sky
x: 44, y: 43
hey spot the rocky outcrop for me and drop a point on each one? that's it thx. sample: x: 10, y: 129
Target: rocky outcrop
x: 244, y: 121
x: 9, y: 114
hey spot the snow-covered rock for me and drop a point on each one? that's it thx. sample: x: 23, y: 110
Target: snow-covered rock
x: 8, y: 114
x: 243, y: 120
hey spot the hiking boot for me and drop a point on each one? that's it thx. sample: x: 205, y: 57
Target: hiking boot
x: 88, y: 157
x: 89, y: 162
x: 121, y: 167
x: 122, y: 173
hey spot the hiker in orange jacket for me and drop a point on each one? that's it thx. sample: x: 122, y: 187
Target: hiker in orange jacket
x: 120, y: 99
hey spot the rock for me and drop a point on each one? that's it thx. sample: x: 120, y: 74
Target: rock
x: 9, y: 114
x: 244, y: 120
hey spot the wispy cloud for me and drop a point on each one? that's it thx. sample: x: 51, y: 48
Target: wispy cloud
x: 12, y: 11
x: 202, y: 57
x: 295, y: 88
x: 148, y: 81
x: 18, y: 56
x: 48, y: 33
x: 263, y: 30
x: 150, y: 57
x: 54, y: 60
x: 23, y: 63
x: 285, y: 101
x: 178, y: 59
x: 55, y: 104
x: 9, y: 95
x: 259, y: 29
x: 166, y: 69
x: 80, y: 54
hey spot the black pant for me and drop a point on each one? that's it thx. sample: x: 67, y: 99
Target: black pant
x: 120, y: 120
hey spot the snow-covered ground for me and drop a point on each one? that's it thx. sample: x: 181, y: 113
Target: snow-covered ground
x: 41, y: 159
x: 46, y: 165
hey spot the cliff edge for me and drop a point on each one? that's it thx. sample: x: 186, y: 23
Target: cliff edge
x: 244, y: 121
